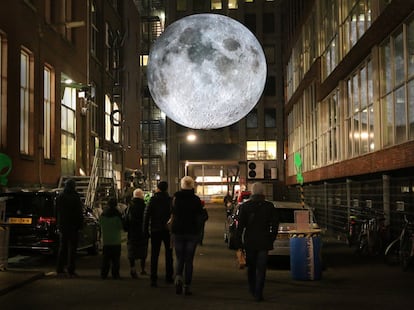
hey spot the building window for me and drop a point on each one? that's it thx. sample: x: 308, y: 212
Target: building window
x: 251, y: 119
x: 360, y: 121
x: 269, y: 51
x: 303, y: 128
x: 68, y: 130
x: 216, y: 5
x: 94, y: 117
x: 270, y: 87
x: 108, y: 110
x: 330, y: 36
x: 268, y: 23
x: 330, y: 129
x: 26, y: 101
x: 261, y: 150
x: 48, y: 110
x: 396, y: 86
x: 250, y: 22
x: 181, y: 5
x: 94, y: 28
x: 3, y: 97
x: 198, y: 5
x: 116, y: 123
x: 270, y: 118
x: 233, y: 4
x: 357, y: 19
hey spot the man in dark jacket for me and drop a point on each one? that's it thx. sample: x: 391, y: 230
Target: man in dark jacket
x: 156, y: 217
x: 187, y: 211
x: 257, y: 230
x: 70, y: 221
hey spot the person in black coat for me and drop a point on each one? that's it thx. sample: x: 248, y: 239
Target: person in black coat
x: 256, y: 231
x: 69, y: 222
x: 137, y: 243
x: 186, y: 224
x: 157, y: 214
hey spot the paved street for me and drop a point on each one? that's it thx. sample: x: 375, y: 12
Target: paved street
x: 348, y: 282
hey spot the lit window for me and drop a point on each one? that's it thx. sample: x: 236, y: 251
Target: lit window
x: 216, y: 5
x: 48, y: 110
x: 143, y: 60
x: 68, y: 130
x: 107, y: 118
x: 233, y: 4
x: 261, y: 150
x: 116, y: 122
x: 26, y: 67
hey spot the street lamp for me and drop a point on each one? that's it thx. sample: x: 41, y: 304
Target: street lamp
x: 191, y: 137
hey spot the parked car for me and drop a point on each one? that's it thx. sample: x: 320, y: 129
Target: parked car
x: 286, y: 211
x: 32, y: 218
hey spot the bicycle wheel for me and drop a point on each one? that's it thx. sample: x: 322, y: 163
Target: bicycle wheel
x: 405, y: 252
x: 391, y: 255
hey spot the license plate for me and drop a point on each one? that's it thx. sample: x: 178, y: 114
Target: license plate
x: 20, y: 220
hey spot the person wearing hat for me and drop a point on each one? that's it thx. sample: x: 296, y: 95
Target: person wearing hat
x: 157, y: 214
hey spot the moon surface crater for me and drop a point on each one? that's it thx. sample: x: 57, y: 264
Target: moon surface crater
x: 206, y: 71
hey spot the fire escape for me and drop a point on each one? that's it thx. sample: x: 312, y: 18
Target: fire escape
x: 152, y: 126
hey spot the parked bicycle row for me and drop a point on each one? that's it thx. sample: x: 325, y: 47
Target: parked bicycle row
x: 369, y: 235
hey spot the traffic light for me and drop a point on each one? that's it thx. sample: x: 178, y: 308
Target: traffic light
x: 255, y: 169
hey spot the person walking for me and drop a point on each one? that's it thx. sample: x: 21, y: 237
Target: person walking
x: 256, y: 231
x: 156, y: 216
x: 69, y: 222
x: 185, y: 228
x: 137, y: 243
x: 111, y: 228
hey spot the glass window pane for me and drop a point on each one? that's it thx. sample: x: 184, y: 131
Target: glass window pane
x: 411, y: 109
x: 371, y: 128
x: 388, y: 120
x: 233, y: 4
x: 386, y: 76
x: 400, y: 115
x: 216, y: 5
x: 356, y: 132
x: 399, y: 58
x: 251, y: 119
x: 364, y: 96
x: 270, y: 118
x: 410, y: 46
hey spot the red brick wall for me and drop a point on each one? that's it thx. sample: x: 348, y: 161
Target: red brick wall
x: 397, y: 157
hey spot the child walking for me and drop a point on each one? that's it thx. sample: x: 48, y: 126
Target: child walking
x: 111, y: 227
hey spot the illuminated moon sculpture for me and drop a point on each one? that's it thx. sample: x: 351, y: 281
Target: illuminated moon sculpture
x: 206, y: 71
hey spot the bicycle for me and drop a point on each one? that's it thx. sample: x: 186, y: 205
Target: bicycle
x: 401, y: 249
x: 372, y: 236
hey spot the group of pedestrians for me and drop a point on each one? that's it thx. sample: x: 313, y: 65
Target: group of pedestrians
x: 174, y: 221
